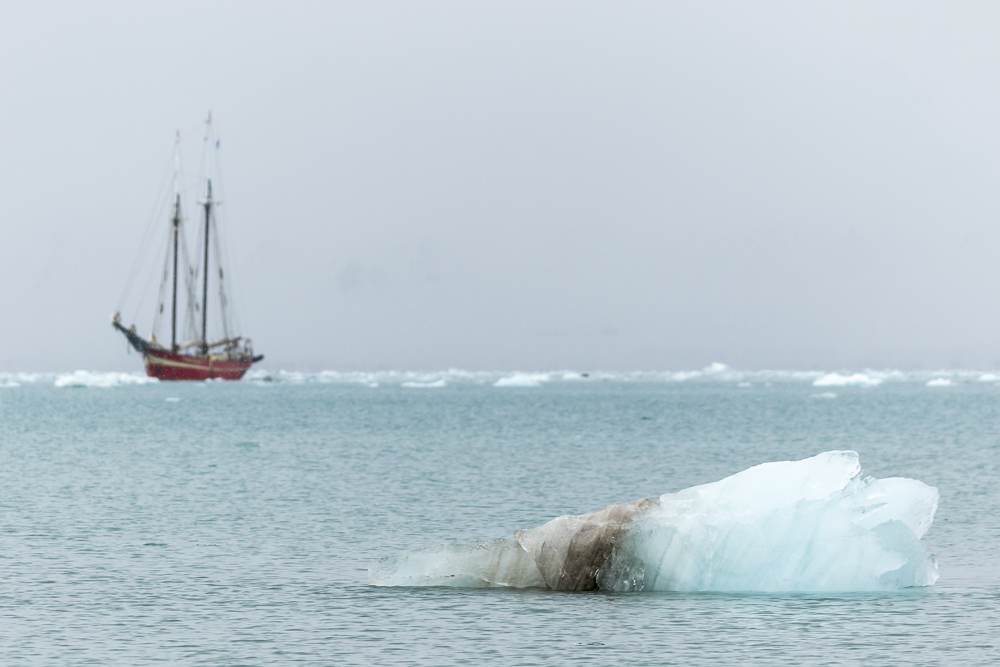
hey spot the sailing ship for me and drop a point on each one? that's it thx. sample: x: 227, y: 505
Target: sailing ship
x: 196, y: 358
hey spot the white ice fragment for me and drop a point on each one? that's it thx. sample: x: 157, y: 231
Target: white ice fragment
x: 855, y: 380
x: 940, y: 382
x: 825, y: 394
x: 103, y: 380
x: 436, y: 384
x: 522, y: 380
x: 989, y: 377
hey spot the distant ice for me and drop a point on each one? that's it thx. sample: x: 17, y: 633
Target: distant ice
x: 714, y: 373
x: 814, y: 525
x: 522, y: 380
x: 13, y: 380
x: 436, y: 384
x: 103, y: 380
x: 940, y: 382
x: 855, y: 380
x: 825, y: 394
x: 171, y: 399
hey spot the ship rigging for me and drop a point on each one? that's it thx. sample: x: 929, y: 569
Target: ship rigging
x: 196, y: 357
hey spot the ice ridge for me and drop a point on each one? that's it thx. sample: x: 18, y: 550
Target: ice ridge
x: 814, y: 525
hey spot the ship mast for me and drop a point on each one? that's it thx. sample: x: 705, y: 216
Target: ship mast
x: 207, y: 203
x: 177, y: 224
x: 173, y: 313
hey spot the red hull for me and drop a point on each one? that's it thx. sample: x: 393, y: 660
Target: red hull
x: 169, y: 366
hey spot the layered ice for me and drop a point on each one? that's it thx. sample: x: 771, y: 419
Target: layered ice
x: 811, y: 525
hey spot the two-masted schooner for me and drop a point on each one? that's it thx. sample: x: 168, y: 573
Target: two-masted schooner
x: 196, y: 358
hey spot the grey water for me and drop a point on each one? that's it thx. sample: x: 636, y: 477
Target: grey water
x: 234, y: 523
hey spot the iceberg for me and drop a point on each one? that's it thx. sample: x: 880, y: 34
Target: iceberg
x: 815, y: 525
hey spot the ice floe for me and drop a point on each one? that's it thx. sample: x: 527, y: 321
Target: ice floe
x: 431, y: 384
x: 103, y: 380
x: 12, y: 380
x: 940, y: 382
x: 522, y: 380
x: 855, y: 380
x: 814, y: 525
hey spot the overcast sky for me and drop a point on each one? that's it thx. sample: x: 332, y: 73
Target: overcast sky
x: 511, y: 185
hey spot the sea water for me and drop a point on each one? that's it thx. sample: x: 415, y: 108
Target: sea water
x: 234, y: 523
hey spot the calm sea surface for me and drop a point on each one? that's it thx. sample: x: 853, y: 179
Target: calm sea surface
x: 226, y: 524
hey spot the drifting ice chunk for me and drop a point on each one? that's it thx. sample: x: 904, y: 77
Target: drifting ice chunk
x: 810, y: 525
x: 838, y: 380
x: 522, y: 380
x: 940, y: 382
x: 104, y: 380
x: 436, y: 384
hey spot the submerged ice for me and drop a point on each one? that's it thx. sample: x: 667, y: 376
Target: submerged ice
x: 811, y: 525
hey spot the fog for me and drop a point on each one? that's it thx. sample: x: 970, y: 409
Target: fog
x: 586, y: 185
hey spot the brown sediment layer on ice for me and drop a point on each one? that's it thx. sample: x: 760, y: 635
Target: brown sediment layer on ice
x: 570, y: 551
